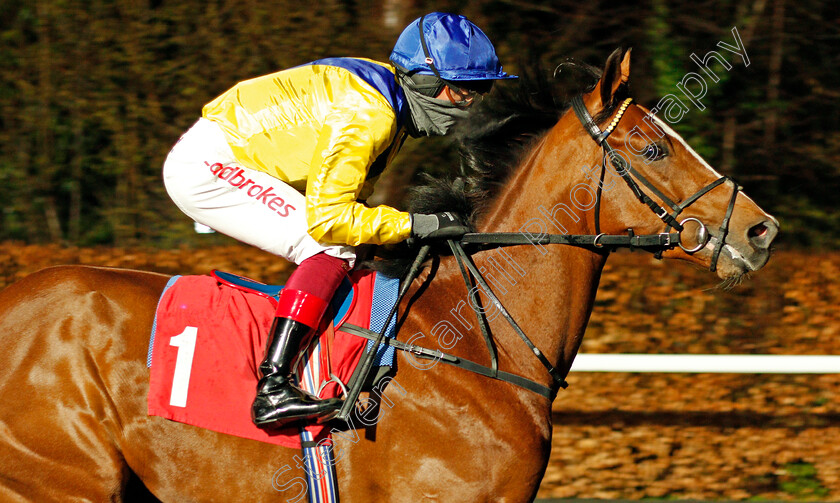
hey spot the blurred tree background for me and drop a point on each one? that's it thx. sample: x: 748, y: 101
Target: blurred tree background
x: 95, y: 92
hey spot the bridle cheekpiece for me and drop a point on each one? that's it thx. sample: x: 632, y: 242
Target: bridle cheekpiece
x: 624, y: 169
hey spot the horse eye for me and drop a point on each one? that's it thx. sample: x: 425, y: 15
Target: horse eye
x: 655, y: 151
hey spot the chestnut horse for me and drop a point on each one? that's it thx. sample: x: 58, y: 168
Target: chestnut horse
x: 73, y: 376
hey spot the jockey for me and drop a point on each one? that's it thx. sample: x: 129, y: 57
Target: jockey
x: 284, y: 162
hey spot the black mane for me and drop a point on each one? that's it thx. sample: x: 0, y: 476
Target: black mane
x: 502, y: 129
x: 492, y: 142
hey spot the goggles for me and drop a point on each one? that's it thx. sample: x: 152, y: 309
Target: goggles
x: 465, y: 92
x: 468, y: 93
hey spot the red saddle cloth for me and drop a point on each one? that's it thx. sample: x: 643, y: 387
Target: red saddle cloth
x: 209, y: 339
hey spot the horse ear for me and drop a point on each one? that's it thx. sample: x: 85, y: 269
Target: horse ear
x: 616, y: 72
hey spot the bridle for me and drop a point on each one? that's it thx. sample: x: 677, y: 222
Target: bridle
x: 656, y: 243
x: 627, y: 173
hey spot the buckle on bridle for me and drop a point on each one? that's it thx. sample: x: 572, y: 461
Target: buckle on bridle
x: 667, y: 238
x: 662, y: 215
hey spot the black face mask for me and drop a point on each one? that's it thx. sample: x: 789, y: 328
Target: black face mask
x: 427, y: 85
x: 428, y: 116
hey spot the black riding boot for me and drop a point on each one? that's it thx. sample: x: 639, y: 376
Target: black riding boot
x: 278, y: 401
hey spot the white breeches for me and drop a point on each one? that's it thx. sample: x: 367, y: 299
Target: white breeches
x: 207, y: 183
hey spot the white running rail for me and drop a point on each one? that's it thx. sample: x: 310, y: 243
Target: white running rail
x: 722, y: 364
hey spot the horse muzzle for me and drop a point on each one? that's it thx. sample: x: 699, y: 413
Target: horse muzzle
x: 748, y: 252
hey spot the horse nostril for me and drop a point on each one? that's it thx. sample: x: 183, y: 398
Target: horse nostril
x: 762, y: 234
x: 757, y: 231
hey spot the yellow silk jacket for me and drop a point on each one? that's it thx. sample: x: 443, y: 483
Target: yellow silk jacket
x: 328, y: 129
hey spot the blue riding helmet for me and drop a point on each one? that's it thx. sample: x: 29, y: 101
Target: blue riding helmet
x: 449, y: 47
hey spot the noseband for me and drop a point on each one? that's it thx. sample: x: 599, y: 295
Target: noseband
x: 627, y: 173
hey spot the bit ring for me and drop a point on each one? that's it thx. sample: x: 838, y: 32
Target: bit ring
x: 704, y: 236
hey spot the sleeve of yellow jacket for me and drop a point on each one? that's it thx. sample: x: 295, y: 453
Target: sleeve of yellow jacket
x: 351, y: 138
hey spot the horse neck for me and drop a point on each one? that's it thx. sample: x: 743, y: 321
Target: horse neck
x: 553, y: 299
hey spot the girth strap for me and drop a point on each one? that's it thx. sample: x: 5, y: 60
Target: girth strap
x: 453, y: 360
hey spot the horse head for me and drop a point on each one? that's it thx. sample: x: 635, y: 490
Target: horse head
x: 720, y: 227
x: 598, y: 173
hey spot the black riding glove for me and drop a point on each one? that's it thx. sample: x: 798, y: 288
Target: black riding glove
x: 446, y: 225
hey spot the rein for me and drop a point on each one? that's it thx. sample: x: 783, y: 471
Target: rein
x: 656, y: 243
